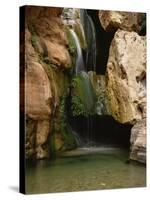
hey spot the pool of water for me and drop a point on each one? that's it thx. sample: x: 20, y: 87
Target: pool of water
x: 84, y: 169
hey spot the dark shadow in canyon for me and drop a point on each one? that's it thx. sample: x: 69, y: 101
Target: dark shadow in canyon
x: 103, y: 41
x: 101, y: 130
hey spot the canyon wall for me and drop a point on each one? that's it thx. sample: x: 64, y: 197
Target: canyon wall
x: 50, y: 54
x: 126, y: 75
x: 47, y: 60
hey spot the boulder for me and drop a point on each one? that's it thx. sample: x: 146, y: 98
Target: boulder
x: 126, y: 87
x: 126, y: 77
x: 138, y: 142
x: 129, y: 21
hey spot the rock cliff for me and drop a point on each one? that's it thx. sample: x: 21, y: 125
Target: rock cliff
x: 126, y: 75
x: 46, y: 59
x: 50, y: 54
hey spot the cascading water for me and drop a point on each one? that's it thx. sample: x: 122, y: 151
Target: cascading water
x: 84, y: 87
x: 90, y: 34
x: 77, y: 138
x: 83, y: 95
x: 79, y: 66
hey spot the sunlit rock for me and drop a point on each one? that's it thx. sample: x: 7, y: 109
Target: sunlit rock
x: 125, y: 76
x: 129, y: 21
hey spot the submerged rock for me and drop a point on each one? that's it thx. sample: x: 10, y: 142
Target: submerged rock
x: 128, y: 21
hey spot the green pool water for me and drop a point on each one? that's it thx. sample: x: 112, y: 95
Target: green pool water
x: 84, y: 169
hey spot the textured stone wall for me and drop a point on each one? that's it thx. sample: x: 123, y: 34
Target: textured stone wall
x: 126, y: 75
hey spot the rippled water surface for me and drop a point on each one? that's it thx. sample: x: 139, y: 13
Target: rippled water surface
x: 84, y: 169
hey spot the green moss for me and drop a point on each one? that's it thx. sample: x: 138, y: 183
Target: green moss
x: 52, y: 146
x: 32, y: 29
x: 34, y: 36
x: 83, y: 97
x: 71, y: 45
x: 68, y: 138
x: 34, y: 40
x: 60, y: 127
x: 49, y: 63
x: 78, y: 107
x: 62, y: 110
x: 78, y: 30
x: 59, y: 83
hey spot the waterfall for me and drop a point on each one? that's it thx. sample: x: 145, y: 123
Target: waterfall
x: 84, y: 88
x: 77, y: 138
x: 79, y: 61
x: 90, y: 34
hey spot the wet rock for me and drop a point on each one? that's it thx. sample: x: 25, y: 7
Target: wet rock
x: 125, y: 77
x: 99, y: 86
x: 138, y: 141
x: 129, y: 21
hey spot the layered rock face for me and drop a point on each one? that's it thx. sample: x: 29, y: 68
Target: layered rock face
x: 126, y: 76
x: 46, y: 53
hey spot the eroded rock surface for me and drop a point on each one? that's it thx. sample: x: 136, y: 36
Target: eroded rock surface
x: 126, y: 87
x: 46, y: 57
x: 128, y: 21
x: 126, y: 74
x: 138, y: 141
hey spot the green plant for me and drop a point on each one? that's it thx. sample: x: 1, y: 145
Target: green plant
x: 69, y: 139
x: 52, y: 145
x: 67, y: 136
x: 78, y: 107
x: 48, y: 62
x: 71, y: 44
x: 83, y: 99
x: 31, y: 28
x: 33, y: 40
x: 62, y: 110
